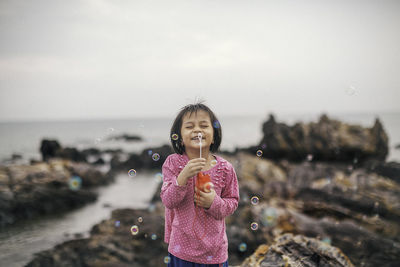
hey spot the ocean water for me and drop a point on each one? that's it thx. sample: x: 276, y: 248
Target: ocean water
x: 24, y: 138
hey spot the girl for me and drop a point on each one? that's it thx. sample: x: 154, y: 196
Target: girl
x: 194, y: 219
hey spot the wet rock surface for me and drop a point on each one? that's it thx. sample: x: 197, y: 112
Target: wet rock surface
x: 289, y: 250
x: 27, y: 191
x: 112, y: 243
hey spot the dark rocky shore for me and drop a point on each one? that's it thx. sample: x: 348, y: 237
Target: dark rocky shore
x: 28, y: 191
x: 325, y: 197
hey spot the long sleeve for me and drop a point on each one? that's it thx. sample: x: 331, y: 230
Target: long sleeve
x: 171, y: 194
x: 227, y: 203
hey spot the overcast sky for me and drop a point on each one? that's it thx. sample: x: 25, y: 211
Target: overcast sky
x: 119, y: 59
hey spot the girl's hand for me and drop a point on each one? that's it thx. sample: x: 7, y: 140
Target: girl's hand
x: 204, y: 199
x: 192, y: 168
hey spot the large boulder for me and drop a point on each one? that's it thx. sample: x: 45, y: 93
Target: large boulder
x: 326, y: 139
x: 49, y: 148
x: 293, y: 251
x: 28, y: 191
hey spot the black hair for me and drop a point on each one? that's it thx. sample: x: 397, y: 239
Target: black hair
x: 175, y: 134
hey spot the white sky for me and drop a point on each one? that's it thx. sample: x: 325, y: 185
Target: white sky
x: 118, y: 59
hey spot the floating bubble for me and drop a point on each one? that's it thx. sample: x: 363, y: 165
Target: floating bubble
x: 97, y: 140
x: 175, y: 137
x: 259, y: 153
x: 152, y: 208
x: 149, y: 152
x: 269, y: 217
x: 242, y: 247
x: 309, y: 157
x: 159, y: 177
x: 75, y: 183
x: 254, y: 200
x: 350, y: 168
x: 140, y: 219
x: 216, y: 124
x: 132, y: 173
x: 167, y: 259
x: 153, y: 237
x: 177, y: 248
x: 351, y: 90
x: 117, y: 223
x: 263, y: 146
x: 209, y: 258
x: 134, y: 230
x: 155, y: 156
x: 254, y: 226
x: 327, y: 240
x: 111, y: 130
x: 213, y: 162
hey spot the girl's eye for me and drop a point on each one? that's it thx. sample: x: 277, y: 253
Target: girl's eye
x: 204, y: 126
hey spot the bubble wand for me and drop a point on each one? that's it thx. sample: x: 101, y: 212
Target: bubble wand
x: 203, y: 183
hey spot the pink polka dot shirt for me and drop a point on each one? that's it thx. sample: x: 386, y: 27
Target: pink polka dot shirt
x: 193, y: 233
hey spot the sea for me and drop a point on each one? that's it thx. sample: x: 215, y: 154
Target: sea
x: 19, y: 242
x: 24, y: 138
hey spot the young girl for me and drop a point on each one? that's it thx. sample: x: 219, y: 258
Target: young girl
x: 195, y: 219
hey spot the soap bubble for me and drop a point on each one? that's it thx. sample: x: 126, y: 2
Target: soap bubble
x: 153, y: 237
x: 134, y: 230
x: 117, y: 223
x: 175, y: 137
x: 254, y: 226
x: 167, y: 259
x: 209, y: 258
x: 140, y: 219
x: 263, y: 146
x: 242, y: 247
x: 97, y: 140
x: 159, y: 177
x: 327, y: 240
x: 351, y: 90
x: 177, y: 248
x: 152, y: 208
x: 155, y: 156
x: 132, y: 173
x: 259, y: 153
x: 309, y: 157
x: 254, y: 200
x: 269, y: 217
x: 216, y: 124
x: 75, y: 183
x: 213, y: 162
x: 111, y: 130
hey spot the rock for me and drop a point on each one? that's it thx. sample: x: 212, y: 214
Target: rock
x: 354, y: 208
x: 127, y: 137
x: 291, y: 251
x: 150, y: 158
x: 389, y: 169
x: 28, y: 191
x: 327, y: 139
x: 111, y: 243
x: 71, y: 153
x: 49, y: 148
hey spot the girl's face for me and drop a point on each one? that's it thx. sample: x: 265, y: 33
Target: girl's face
x: 192, y: 125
